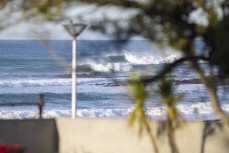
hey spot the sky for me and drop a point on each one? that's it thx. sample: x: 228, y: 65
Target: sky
x: 49, y: 30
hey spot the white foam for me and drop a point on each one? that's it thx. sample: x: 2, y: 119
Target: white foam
x: 111, y: 67
x: 46, y: 82
x: 144, y: 60
x: 35, y: 86
x: 34, y: 82
x: 32, y: 113
x: 198, y: 111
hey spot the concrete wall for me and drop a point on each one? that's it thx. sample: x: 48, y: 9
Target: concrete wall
x: 109, y: 136
x: 37, y: 136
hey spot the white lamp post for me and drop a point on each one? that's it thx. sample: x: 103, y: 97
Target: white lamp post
x: 74, y: 30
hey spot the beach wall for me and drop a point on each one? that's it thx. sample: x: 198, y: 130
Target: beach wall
x: 34, y: 135
x: 84, y: 135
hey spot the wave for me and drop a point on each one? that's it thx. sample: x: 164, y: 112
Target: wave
x: 111, y: 67
x: 123, y: 63
x: 144, y: 60
x: 46, y: 82
x: 104, y: 67
x: 197, y: 111
x: 34, y: 82
x: 119, y: 58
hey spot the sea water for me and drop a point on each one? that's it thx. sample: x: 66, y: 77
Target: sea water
x: 29, y: 68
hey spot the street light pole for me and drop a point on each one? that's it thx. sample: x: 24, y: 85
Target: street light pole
x: 74, y: 30
x: 74, y: 90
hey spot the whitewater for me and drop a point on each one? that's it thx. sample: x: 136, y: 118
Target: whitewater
x: 103, y: 67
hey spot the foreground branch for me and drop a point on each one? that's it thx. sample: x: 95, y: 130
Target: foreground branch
x: 120, y: 3
x: 208, y: 84
x: 169, y: 67
x: 151, y: 136
x: 213, y: 94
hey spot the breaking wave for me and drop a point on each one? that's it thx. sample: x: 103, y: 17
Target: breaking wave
x: 123, y: 63
x: 106, y: 67
x: 197, y: 111
x: 144, y: 60
x: 46, y: 82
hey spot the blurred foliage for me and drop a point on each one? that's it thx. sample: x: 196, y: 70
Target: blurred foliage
x: 166, y: 92
x: 138, y: 92
x: 174, y: 119
x: 49, y: 9
x: 3, y: 4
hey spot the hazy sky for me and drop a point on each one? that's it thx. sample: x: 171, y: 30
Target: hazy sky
x: 30, y: 30
x: 48, y: 30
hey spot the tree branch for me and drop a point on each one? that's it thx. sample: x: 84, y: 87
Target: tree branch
x: 122, y: 3
x: 169, y: 67
x: 210, y: 86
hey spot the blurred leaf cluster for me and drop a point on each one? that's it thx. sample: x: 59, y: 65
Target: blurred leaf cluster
x: 137, y: 89
x: 48, y: 9
x: 165, y: 90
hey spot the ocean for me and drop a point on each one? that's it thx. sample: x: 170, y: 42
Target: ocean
x: 103, y: 66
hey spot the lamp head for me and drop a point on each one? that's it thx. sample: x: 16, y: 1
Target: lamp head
x: 74, y: 29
